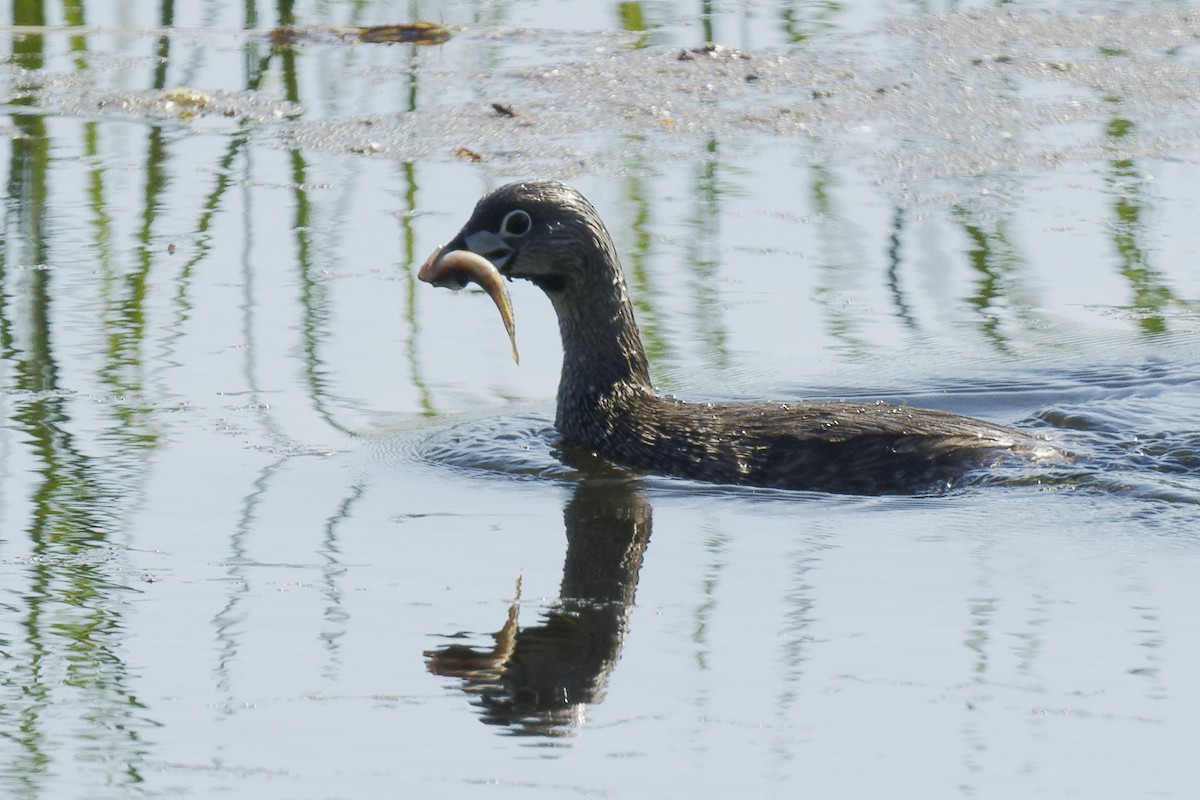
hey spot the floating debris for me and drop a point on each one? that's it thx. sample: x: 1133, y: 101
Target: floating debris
x: 186, y: 103
x: 467, y: 154
x: 425, y: 33
x: 713, y: 51
x: 187, y: 96
x: 410, y: 33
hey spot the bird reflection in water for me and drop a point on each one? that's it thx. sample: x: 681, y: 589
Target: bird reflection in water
x: 539, y: 680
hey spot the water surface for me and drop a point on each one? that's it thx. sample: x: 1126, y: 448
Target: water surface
x: 276, y: 520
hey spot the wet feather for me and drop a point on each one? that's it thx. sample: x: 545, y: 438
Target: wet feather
x: 547, y: 233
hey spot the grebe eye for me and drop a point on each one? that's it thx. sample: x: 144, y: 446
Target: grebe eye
x: 516, y: 223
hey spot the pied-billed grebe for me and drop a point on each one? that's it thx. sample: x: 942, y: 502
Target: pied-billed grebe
x: 547, y: 233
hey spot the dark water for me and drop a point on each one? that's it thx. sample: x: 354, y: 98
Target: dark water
x: 277, y: 520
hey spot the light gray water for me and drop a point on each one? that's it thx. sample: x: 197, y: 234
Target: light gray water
x: 265, y: 499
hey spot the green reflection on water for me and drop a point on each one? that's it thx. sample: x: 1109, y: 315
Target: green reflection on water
x: 992, y: 255
x: 703, y: 258
x: 70, y: 624
x: 799, y: 24
x: 841, y: 259
x: 1151, y: 295
x: 642, y: 288
x: 408, y: 274
x: 632, y: 16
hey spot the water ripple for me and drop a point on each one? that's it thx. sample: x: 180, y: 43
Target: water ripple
x: 1131, y: 430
